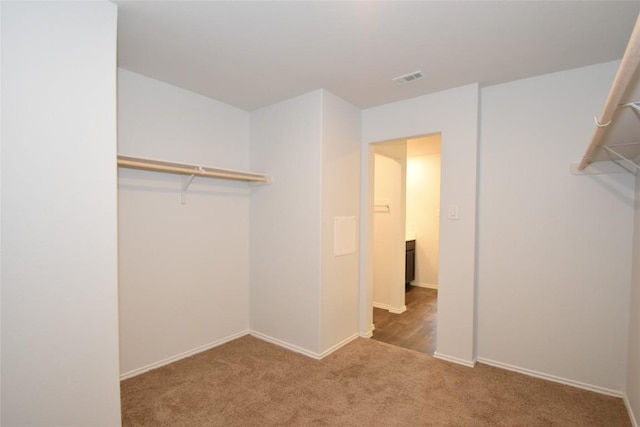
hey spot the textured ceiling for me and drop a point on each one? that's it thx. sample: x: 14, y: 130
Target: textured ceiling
x: 253, y: 54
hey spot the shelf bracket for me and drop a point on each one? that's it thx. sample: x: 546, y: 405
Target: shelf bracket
x: 186, y: 182
x: 625, y: 163
x: 635, y: 105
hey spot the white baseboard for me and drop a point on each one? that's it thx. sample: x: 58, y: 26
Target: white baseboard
x: 394, y: 310
x: 217, y: 343
x: 180, y: 356
x: 463, y: 362
x: 424, y: 285
x: 632, y: 417
x: 400, y: 310
x: 337, y: 346
x: 369, y: 334
x: 381, y: 305
x: 301, y: 350
x: 554, y: 378
x: 284, y: 344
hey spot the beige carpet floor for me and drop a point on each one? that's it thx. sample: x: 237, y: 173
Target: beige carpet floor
x: 249, y: 382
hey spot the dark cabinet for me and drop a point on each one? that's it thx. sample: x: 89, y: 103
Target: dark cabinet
x: 410, y: 262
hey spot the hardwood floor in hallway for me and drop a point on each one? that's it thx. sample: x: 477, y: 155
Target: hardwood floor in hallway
x: 414, y: 329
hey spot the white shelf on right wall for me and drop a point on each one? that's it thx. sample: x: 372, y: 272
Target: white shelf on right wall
x: 616, y: 137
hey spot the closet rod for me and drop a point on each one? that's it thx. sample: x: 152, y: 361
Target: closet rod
x: 628, y: 66
x: 185, y: 169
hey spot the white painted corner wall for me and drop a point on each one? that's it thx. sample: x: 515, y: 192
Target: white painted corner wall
x: 340, y: 199
x: 554, y: 249
x: 454, y: 113
x: 285, y: 233
x: 184, y: 280
x: 301, y: 295
x: 59, y: 215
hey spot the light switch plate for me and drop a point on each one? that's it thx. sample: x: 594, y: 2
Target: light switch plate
x: 452, y: 212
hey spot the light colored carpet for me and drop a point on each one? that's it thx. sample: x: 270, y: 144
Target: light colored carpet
x: 249, y: 382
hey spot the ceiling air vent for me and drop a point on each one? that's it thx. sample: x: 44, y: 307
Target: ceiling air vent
x: 408, y: 78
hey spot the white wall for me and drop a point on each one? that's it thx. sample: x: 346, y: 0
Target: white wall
x: 0, y: 224
x: 302, y: 296
x: 554, y: 249
x: 388, y: 235
x: 285, y: 230
x: 340, y: 189
x: 184, y: 282
x: 59, y: 217
x: 455, y: 114
x: 423, y: 215
x: 633, y: 356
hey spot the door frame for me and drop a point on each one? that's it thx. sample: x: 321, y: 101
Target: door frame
x: 453, y: 114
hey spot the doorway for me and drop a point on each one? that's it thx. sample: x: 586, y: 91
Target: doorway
x: 405, y: 235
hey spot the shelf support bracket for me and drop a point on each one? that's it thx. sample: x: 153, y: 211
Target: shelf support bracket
x: 186, y: 182
x: 635, y: 105
x: 631, y: 166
